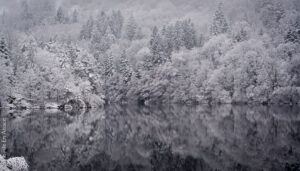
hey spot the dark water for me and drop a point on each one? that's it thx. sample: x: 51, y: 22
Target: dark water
x: 169, y: 138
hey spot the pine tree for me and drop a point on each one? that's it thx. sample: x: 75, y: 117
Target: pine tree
x: 168, y: 44
x: 131, y: 29
x: 189, y: 34
x: 125, y: 68
x: 201, y: 40
x: 108, y: 65
x: 156, y: 47
x: 271, y: 13
x: 101, y: 42
x: 87, y: 29
x: 75, y: 16
x: 219, y: 25
x: 109, y: 37
x: 27, y: 16
x: 116, y: 23
x: 102, y: 23
x: 3, y: 49
x: 84, y: 33
x: 96, y: 42
x: 240, y: 31
x: 178, y: 34
x: 5, y: 69
x: 60, y: 16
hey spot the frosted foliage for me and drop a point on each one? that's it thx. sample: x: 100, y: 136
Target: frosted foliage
x: 17, y: 164
x: 204, y: 51
x: 13, y: 164
x: 131, y: 28
x: 3, y: 164
x: 219, y: 24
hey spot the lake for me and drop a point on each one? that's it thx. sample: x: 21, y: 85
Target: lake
x: 160, y: 138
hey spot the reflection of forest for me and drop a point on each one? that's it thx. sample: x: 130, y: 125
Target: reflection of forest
x: 160, y: 138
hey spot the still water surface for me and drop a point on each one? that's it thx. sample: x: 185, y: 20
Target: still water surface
x: 166, y: 138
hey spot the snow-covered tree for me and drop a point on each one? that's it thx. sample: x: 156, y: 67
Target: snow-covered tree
x: 215, y: 49
x: 60, y: 16
x: 241, y: 31
x: 102, y: 23
x: 27, y: 16
x: 219, y: 24
x: 178, y: 34
x: 124, y: 67
x: 156, y: 47
x: 108, y: 65
x: 75, y: 16
x: 131, y: 28
x: 5, y: 70
x: 189, y: 34
x: 271, y: 12
x: 101, y: 42
x: 293, y: 34
x: 4, y: 51
x: 86, y: 30
x: 168, y: 43
x: 116, y: 23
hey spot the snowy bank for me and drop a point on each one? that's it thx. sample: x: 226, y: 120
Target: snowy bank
x: 13, y: 164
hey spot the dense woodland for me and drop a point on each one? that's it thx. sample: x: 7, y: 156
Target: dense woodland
x: 230, y: 52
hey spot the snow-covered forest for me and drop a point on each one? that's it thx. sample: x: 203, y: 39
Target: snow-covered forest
x: 149, y: 51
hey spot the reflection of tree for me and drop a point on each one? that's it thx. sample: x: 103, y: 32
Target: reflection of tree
x: 159, y: 138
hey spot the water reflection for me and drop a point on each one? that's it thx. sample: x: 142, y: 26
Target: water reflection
x: 166, y: 138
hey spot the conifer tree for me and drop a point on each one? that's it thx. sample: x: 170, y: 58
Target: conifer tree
x: 156, y: 47
x: 75, y: 16
x: 124, y: 67
x: 116, y: 23
x: 178, y: 32
x: 131, y: 29
x: 219, y: 25
x: 189, y: 34
x: 102, y: 23
x: 5, y: 69
x: 108, y: 65
x: 60, y: 16
x: 86, y: 31
x: 168, y: 44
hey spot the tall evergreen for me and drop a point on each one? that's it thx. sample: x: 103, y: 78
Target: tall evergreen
x: 156, y: 47
x: 60, y: 15
x: 108, y: 65
x: 168, y: 44
x: 86, y: 31
x: 178, y: 32
x: 189, y: 34
x: 102, y: 23
x: 3, y: 50
x: 131, y: 29
x: 219, y: 24
x: 5, y: 69
x: 26, y: 16
x: 101, y: 42
x: 75, y: 16
x: 271, y: 12
x: 124, y: 67
x: 116, y: 23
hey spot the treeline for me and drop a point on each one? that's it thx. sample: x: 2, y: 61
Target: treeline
x: 114, y: 59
